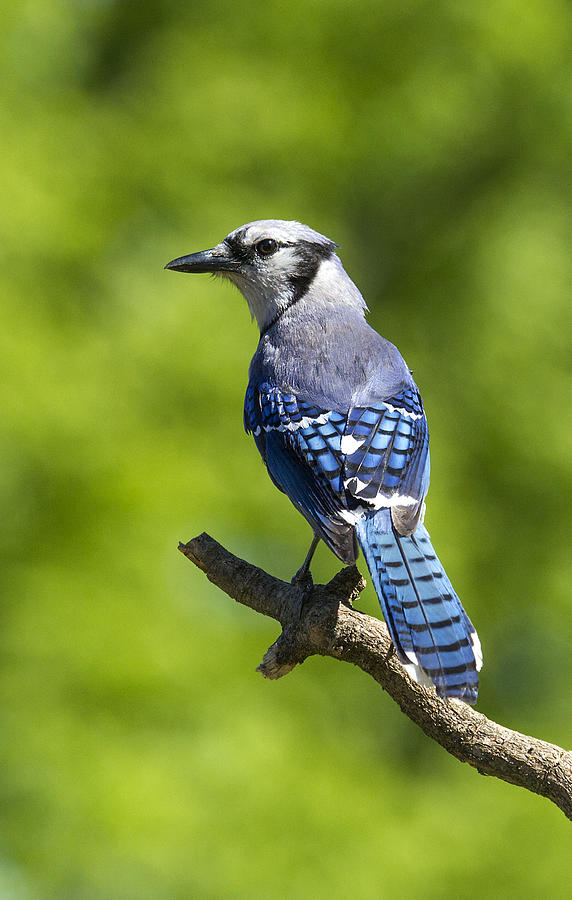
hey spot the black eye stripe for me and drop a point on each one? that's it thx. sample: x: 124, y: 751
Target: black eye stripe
x: 246, y: 253
x: 240, y: 251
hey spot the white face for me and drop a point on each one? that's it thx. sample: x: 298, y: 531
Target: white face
x: 276, y: 263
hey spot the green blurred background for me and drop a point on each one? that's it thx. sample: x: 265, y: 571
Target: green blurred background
x: 140, y: 755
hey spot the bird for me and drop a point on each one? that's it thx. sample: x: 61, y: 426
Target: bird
x: 340, y: 425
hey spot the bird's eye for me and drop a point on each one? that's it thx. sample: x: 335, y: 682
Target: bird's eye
x: 266, y: 247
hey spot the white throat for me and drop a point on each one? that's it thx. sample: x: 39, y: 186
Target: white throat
x: 269, y: 296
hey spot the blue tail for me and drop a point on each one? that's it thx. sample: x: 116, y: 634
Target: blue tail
x: 434, y: 638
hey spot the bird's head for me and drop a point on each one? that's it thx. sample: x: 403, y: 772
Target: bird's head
x: 273, y: 263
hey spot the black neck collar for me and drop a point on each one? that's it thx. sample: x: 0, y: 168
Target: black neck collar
x: 280, y: 313
x: 310, y: 258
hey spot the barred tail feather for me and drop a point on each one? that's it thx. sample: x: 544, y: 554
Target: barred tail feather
x: 434, y: 638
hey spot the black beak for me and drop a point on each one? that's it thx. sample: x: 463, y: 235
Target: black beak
x: 216, y: 260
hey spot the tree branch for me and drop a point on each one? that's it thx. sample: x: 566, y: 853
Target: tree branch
x: 324, y: 622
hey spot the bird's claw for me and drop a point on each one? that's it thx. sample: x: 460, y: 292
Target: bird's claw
x: 303, y: 579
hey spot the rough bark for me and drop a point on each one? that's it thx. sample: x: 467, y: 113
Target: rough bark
x: 322, y: 621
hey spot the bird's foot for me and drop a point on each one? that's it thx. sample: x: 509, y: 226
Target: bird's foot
x: 303, y: 577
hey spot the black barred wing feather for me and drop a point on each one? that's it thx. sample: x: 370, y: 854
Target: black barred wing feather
x: 386, y: 447
x: 301, y: 445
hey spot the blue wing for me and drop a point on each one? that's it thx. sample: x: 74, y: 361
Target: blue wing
x: 386, y: 447
x: 331, y: 464
x: 301, y: 446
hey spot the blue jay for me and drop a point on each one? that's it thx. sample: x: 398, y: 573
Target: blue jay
x: 340, y: 425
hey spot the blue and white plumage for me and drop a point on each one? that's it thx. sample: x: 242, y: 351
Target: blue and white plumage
x: 340, y: 424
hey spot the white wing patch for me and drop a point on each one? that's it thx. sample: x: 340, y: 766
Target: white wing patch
x: 304, y: 422
x: 350, y: 444
x: 403, y: 412
x: 354, y: 486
